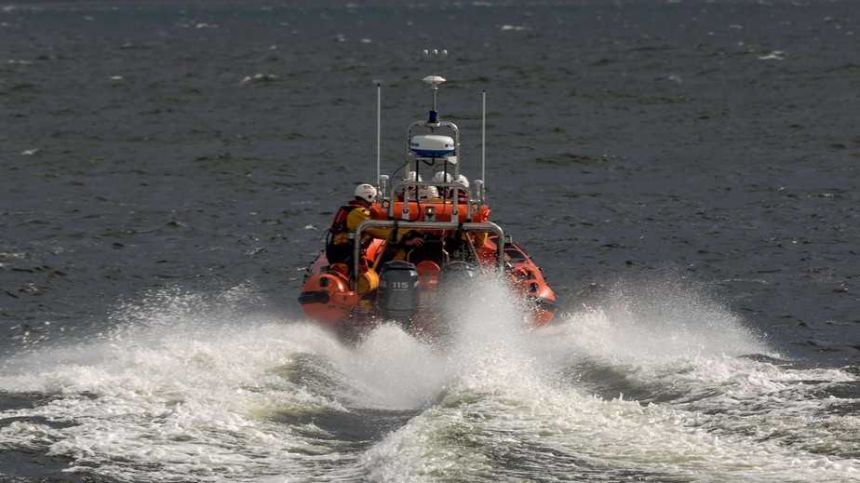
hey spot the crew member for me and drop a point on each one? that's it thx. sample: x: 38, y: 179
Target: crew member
x: 408, y: 194
x: 339, y: 247
x: 442, y: 177
x: 462, y: 195
x: 428, y: 193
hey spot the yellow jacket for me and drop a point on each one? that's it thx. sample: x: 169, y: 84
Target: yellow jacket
x: 356, y: 217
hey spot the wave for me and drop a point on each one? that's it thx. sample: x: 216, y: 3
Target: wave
x: 654, y: 382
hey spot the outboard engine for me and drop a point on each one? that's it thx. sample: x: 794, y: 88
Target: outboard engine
x: 458, y: 272
x: 457, y: 276
x: 397, y: 297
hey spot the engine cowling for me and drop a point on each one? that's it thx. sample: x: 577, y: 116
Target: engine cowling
x: 459, y: 272
x: 397, y: 297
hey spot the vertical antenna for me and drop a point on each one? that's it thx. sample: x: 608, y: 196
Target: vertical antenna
x: 484, y: 135
x: 378, y: 129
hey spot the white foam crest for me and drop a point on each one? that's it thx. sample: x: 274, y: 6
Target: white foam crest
x: 679, y: 346
x: 484, y: 358
x: 489, y: 326
x: 668, y: 344
x: 189, y: 385
x: 658, y: 322
x: 508, y: 400
x: 190, y: 389
x: 562, y: 432
x: 392, y: 370
x: 179, y: 392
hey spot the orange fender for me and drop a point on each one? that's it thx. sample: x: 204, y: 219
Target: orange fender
x: 326, y: 297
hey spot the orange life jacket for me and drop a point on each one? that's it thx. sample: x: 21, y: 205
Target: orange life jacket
x: 338, y: 224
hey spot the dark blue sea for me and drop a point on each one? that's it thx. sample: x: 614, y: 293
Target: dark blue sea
x: 684, y: 171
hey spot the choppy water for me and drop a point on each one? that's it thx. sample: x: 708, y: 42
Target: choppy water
x: 667, y: 387
x: 685, y: 172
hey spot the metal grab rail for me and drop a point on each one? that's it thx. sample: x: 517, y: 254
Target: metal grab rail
x: 488, y: 226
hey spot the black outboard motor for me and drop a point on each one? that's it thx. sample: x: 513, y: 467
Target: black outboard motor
x: 459, y: 272
x: 457, y: 277
x: 397, y: 298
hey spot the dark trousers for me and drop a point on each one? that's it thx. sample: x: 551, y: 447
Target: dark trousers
x: 340, y: 253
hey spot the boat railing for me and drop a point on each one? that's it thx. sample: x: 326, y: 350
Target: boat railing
x: 485, y: 227
x: 405, y: 187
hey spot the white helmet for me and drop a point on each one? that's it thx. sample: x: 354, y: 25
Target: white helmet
x: 412, y: 176
x: 442, y: 177
x: 428, y: 192
x: 463, y: 180
x: 366, y: 192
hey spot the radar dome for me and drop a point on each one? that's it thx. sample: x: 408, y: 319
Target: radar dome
x: 432, y: 146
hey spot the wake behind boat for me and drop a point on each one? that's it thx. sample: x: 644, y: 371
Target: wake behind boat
x: 404, y: 246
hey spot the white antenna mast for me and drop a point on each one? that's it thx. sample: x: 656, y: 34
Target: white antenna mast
x: 484, y: 136
x: 378, y: 129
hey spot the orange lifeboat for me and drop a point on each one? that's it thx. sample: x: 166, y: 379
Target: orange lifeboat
x: 350, y: 305
x: 388, y: 280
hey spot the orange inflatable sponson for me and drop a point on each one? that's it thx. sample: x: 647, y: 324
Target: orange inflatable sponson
x: 442, y: 211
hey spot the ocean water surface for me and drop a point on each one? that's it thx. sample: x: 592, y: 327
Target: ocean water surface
x: 686, y: 174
